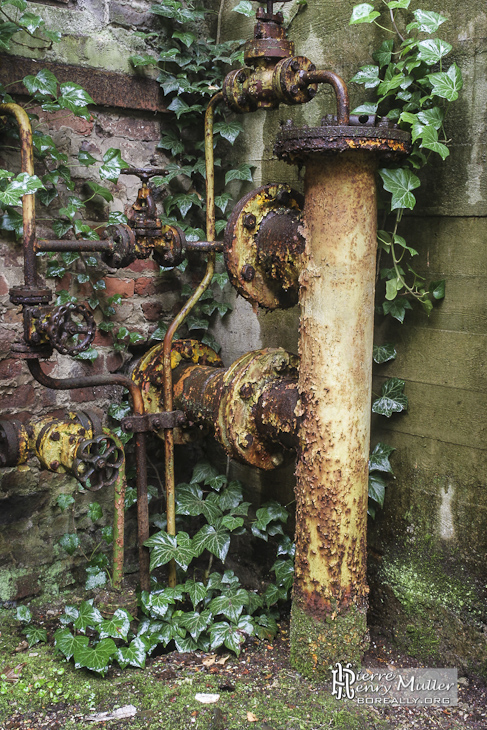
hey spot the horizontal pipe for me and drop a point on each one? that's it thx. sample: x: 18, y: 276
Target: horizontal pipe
x: 43, y: 244
x: 204, y: 246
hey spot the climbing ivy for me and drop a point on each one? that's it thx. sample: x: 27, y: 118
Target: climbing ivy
x: 413, y: 89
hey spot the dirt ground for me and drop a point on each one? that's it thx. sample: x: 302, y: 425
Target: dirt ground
x: 258, y: 690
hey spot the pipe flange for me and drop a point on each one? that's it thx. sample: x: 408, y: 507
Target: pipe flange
x: 244, y: 383
x: 287, y: 83
x: 295, y: 144
x: 264, y: 246
x: 124, y: 252
x: 14, y: 443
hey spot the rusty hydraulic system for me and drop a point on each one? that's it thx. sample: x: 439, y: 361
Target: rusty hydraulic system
x: 280, y: 248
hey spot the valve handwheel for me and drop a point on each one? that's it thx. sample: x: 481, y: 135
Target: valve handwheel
x: 97, y: 462
x: 71, y: 328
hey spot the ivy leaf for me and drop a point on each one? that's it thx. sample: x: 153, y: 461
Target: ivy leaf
x: 383, y: 353
x: 437, y: 289
x: 95, y: 511
x: 363, y: 13
x: 231, y: 522
x: 44, y: 82
x: 231, y: 636
x: 133, y: 655
x: 88, y: 616
x: 170, y: 547
x: 203, y: 472
x: 217, y: 482
x: 215, y: 540
x: 20, y: 4
x: 70, y: 542
x: 426, y: 21
x: 70, y: 615
x: 392, y: 287
x: 187, y: 38
x: 30, y: 22
x: 377, y: 488
x: 230, y: 605
x: 432, y: 50
x: 112, y: 165
x: 190, y: 502
x: 393, y: 4
x: 118, y: 626
x: 367, y: 108
x: 244, y: 8
x: 429, y: 139
x: 367, y: 75
x: 96, y: 578
x: 265, y: 627
x: 392, y: 398
x: 433, y: 117
x: 97, y: 659
x: 35, y: 635
x: 185, y: 644
x: 100, y: 190
x: 242, y: 172
x: 397, y: 308
x: 73, y: 96
x: 196, y: 622
x: 197, y: 591
x: 231, y: 496
x: 400, y: 182
x: 24, y: 614
x: 228, y: 130
x: 12, y: 221
x: 7, y: 30
x: 284, y: 570
x: 383, y: 55
x: 64, y: 501
x: 20, y: 185
x: 67, y: 644
x: 143, y: 60
x: 379, y: 458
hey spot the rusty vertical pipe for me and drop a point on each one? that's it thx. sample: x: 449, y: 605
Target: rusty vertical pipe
x: 336, y: 330
x: 179, y: 319
x: 28, y: 200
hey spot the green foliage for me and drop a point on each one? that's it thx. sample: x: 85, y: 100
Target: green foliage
x: 413, y: 89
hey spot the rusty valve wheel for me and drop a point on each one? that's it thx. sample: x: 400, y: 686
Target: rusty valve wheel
x: 97, y: 462
x: 71, y: 328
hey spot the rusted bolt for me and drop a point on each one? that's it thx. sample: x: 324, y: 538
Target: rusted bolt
x: 72, y: 439
x: 168, y: 236
x: 82, y: 432
x: 55, y: 436
x: 277, y: 459
x: 100, y: 463
x: 157, y: 422
x: 116, y: 259
x: 35, y: 338
x: 246, y: 391
x: 283, y: 197
x: 241, y: 77
x: 54, y: 465
x: 311, y: 93
x: 295, y: 66
x: 249, y: 220
x: 294, y: 89
x: 36, y: 313
x: 245, y: 441
x: 181, y: 419
x: 279, y: 364
x: 247, y: 272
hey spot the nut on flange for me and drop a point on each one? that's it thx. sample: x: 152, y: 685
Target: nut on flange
x: 264, y: 246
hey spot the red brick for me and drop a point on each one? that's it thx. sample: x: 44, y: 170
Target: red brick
x: 82, y: 395
x: 64, y: 283
x: 143, y: 265
x: 10, y: 368
x: 19, y: 397
x: 129, y: 128
x: 13, y: 316
x: 64, y: 118
x: 124, y: 287
x: 145, y: 286
x: 114, y: 362
x: 103, y: 339
x: 152, y: 311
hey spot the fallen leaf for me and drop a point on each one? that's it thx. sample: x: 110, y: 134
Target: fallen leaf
x: 22, y: 646
x: 120, y: 714
x: 209, y: 661
x: 223, y: 659
x: 251, y: 717
x: 12, y: 674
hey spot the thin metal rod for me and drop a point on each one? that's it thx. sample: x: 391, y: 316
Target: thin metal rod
x: 339, y: 86
x: 28, y: 200
x: 118, y: 519
x: 107, y: 244
x: 91, y: 381
x: 179, y: 319
x: 204, y: 246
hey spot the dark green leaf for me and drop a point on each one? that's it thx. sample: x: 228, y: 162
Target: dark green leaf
x: 379, y: 458
x: 35, y: 635
x: 113, y: 164
x: 64, y: 501
x: 231, y: 496
x: 67, y: 644
x: 74, y: 96
x: 118, y: 626
x: 168, y: 547
x: 190, y: 502
x: 242, y: 172
x: 228, y: 130
x: 392, y: 398
x: 284, y: 570
x: 397, y: 308
x: 384, y: 54
x: 24, y: 614
x: 133, y: 655
x: 244, y: 7
x: 203, y: 472
x: 95, y: 511
x: 30, y: 22
x: 426, y: 21
x: 363, y: 13
x: 384, y: 353
x: 432, y: 50
x: 400, y: 182
x: 196, y: 622
x: 437, y: 289
x: 88, y: 616
x: 70, y: 542
x: 367, y: 75
x: 97, y: 659
x: 377, y: 488
x: 96, y: 578
x: 100, y: 190
x: 215, y: 540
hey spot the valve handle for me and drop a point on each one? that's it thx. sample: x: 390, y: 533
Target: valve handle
x: 97, y: 462
x: 144, y: 174
x: 67, y: 335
